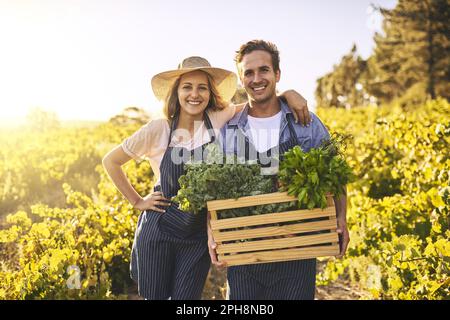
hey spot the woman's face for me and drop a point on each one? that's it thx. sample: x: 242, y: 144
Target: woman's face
x: 193, y: 93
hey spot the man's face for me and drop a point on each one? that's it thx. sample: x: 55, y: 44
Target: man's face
x: 257, y: 76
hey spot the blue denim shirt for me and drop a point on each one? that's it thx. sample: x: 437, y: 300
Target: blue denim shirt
x: 308, y: 137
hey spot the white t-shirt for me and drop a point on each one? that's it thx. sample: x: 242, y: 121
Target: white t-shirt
x: 265, y: 132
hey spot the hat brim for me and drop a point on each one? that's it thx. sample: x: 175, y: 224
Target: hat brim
x: 226, y: 81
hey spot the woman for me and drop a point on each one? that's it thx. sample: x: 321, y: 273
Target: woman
x: 170, y: 258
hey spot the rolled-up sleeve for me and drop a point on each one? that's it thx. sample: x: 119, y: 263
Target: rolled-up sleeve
x: 146, y: 141
x: 220, y: 117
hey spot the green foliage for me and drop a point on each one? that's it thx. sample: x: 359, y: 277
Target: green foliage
x: 409, y: 64
x: 411, y: 55
x: 309, y: 176
x: 82, y: 236
x: 218, y: 179
x: 87, y: 237
x: 346, y: 85
x: 399, y: 246
x: 34, y: 165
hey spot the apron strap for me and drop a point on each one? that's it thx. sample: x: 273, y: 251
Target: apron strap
x: 173, y: 125
x: 209, y: 127
x: 206, y: 119
x: 290, y: 118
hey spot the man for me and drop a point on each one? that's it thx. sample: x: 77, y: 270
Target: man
x: 263, y: 129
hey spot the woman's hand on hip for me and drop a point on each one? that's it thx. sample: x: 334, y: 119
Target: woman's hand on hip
x: 151, y: 201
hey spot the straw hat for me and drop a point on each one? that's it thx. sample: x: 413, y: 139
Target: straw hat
x: 226, y: 81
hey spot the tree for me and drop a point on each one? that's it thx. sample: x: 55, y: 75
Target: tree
x: 346, y: 85
x: 412, y: 55
x: 131, y: 115
x: 410, y: 62
x: 40, y: 120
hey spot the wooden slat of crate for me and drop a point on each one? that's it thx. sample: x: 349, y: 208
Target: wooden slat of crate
x: 258, y: 200
x: 295, y: 241
x: 269, y: 249
x: 271, y: 218
x: 262, y: 199
x: 279, y: 255
x: 329, y: 224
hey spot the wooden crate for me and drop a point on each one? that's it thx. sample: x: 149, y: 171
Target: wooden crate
x: 268, y: 243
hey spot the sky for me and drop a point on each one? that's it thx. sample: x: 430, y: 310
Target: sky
x: 90, y: 59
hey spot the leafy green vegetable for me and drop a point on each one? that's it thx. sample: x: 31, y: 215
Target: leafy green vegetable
x: 311, y: 175
x: 308, y: 176
x: 214, y: 179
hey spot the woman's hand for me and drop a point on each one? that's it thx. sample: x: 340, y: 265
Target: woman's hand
x: 298, y: 105
x: 150, y: 202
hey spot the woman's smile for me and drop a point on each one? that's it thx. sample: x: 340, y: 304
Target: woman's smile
x: 194, y: 93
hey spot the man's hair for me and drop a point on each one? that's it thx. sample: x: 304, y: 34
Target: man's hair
x: 259, y: 45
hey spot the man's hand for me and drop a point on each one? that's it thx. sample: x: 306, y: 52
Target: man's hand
x: 212, y: 247
x: 344, y: 238
x: 298, y: 105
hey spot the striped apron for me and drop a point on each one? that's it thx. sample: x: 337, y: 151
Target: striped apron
x: 170, y: 258
x: 290, y: 280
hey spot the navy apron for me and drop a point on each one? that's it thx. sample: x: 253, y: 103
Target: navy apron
x: 170, y: 258
x: 290, y: 280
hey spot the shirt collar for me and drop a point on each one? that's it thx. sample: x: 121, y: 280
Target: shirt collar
x: 242, y: 119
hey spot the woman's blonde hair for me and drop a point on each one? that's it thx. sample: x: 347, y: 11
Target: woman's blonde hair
x: 172, y: 104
